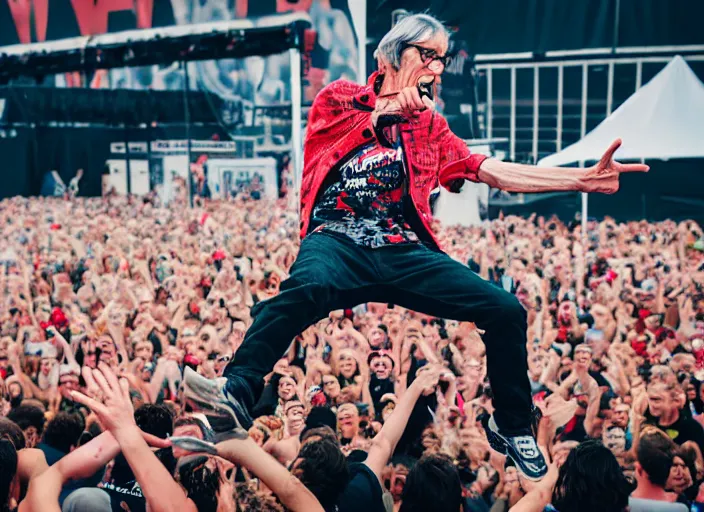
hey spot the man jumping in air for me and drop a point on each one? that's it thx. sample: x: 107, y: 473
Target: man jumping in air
x: 372, y: 155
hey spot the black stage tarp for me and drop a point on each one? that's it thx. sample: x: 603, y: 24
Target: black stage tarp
x: 117, y: 107
x: 507, y: 26
x: 27, y: 154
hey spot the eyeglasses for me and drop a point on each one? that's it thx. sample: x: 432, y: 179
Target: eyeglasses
x: 430, y: 57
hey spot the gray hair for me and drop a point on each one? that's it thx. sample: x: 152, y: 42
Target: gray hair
x: 413, y: 28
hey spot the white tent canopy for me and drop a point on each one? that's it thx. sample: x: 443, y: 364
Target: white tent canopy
x: 663, y: 119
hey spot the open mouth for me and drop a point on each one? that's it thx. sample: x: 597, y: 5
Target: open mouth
x: 425, y: 85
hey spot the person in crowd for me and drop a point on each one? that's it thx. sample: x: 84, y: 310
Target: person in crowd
x: 73, y: 185
x: 8, y: 469
x: 61, y: 436
x: 666, y: 413
x: 589, y: 479
x: 682, y: 474
x: 655, y: 456
x: 31, y: 420
x: 432, y: 484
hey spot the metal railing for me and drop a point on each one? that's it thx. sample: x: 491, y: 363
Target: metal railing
x: 526, y: 122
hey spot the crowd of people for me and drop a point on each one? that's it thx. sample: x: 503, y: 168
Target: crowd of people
x: 108, y: 302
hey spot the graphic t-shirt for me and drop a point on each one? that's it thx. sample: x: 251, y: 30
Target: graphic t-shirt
x: 366, y: 202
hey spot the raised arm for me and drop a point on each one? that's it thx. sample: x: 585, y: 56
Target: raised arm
x: 602, y: 177
x: 67, y: 350
x: 386, y: 440
x: 45, y: 486
x: 44, y: 490
x: 161, y: 491
x: 290, y: 491
x: 540, y: 494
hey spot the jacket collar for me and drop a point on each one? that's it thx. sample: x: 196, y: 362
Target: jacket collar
x: 373, y: 79
x: 367, y: 94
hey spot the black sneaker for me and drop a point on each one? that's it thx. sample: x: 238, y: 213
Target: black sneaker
x: 223, y: 401
x: 496, y: 442
x: 521, y: 449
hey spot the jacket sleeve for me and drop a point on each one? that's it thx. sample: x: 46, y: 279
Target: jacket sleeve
x: 457, y: 162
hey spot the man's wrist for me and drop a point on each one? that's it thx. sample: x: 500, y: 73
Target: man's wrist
x: 579, y: 178
x: 415, y: 389
x: 127, y: 435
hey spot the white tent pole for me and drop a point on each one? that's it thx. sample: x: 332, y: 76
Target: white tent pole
x: 585, y: 213
x: 512, y: 118
x: 560, y: 104
x: 610, y: 90
x: 489, y: 104
x: 536, y: 112
x: 296, y: 116
x: 358, y: 10
x: 362, y: 71
x: 582, y: 132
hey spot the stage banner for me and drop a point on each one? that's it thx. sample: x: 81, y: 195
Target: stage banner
x: 256, y: 80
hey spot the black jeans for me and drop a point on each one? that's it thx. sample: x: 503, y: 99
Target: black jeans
x: 332, y: 272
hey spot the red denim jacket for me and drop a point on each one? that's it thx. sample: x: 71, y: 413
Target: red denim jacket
x: 340, y: 122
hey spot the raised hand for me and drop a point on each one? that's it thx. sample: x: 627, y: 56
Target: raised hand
x: 114, y: 410
x: 406, y: 104
x: 603, y: 177
x: 427, y: 378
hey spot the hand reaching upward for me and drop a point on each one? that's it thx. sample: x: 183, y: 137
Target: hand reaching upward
x: 115, y: 410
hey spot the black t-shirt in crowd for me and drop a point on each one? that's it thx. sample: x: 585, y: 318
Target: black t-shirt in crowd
x: 600, y: 380
x: 378, y: 388
x: 363, y: 492
x: 683, y: 430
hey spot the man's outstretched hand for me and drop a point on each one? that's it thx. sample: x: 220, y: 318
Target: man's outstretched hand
x: 603, y: 177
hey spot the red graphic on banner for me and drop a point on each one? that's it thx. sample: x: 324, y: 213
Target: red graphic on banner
x: 293, y: 5
x: 91, y: 15
x: 21, y: 13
